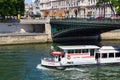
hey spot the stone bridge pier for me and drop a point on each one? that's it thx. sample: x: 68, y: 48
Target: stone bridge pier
x: 48, y: 31
x: 40, y: 26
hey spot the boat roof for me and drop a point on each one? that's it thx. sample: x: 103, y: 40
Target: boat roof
x: 109, y: 49
x: 79, y: 47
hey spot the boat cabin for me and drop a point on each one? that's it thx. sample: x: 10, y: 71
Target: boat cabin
x: 79, y: 51
x: 82, y: 49
x: 108, y: 54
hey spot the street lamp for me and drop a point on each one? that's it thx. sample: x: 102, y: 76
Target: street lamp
x: 19, y: 15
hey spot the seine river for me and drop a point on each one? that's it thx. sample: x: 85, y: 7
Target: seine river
x: 18, y: 62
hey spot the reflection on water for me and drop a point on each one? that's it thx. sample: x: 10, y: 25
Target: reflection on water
x: 111, y: 43
x: 19, y: 62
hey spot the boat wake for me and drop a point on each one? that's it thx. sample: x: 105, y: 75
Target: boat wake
x: 75, y: 69
x: 39, y: 66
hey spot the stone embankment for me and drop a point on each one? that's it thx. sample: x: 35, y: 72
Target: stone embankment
x: 23, y: 38
x: 112, y: 35
x: 36, y: 31
x: 25, y: 31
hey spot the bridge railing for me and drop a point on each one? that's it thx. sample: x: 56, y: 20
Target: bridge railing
x: 99, y: 19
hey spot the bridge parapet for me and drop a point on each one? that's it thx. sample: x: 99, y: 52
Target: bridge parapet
x: 34, y: 21
x: 86, y: 20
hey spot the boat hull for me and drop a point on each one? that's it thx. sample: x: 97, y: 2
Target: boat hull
x: 61, y: 65
x: 55, y: 67
x: 79, y: 66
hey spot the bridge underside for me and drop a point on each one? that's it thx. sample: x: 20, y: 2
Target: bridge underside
x: 75, y: 29
x: 75, y: 35
x: 79, y: 33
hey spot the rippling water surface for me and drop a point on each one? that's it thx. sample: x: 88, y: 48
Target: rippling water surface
x: 19, y: 62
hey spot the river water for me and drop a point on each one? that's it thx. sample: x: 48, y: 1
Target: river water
x: 18, y: 62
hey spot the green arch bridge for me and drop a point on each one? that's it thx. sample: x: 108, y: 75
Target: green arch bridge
x: 82, y: 27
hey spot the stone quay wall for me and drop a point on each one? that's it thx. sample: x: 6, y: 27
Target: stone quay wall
x: 22, y: 39
x: 21, y: 33
x: 112, y: 35
x: 36, y: 32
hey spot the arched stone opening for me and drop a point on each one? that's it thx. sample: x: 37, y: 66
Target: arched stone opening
x: 76, y: 13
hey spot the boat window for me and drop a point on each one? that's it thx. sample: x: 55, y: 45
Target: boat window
x: 70, y: 51
x: 85, y: 51
x: 77, y: 51
x: 80, y: 51
x: 91, y: 52
x: 104, y: 55
x: 111, y: 55
x: 117, y: 54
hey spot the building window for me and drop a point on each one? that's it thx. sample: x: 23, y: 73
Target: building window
x: 82, y: 1
x: 37, y: 7
x: 91, y: 1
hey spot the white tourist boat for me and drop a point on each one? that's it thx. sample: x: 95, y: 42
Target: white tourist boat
x: 82, y: 55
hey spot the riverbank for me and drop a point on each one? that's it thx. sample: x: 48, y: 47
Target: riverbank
x: 25, y: 32
x: 112, y: 35
x: 23, y: 38
x: 32, y: 38
x: 39, y: 32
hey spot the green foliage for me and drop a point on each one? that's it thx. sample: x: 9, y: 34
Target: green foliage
x: 114, y: 3
x: 11, y: 7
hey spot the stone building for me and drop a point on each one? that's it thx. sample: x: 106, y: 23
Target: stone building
x: 73, y: 8
x: 36, y: 7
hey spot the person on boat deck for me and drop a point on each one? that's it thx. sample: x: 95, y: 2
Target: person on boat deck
x: 97, y: 57
x: 56, y: 60
x: 63, y: 54
x: 59, y: 58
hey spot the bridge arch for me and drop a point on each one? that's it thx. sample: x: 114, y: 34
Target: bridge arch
x: 76, y: 31
x: 70, y: 28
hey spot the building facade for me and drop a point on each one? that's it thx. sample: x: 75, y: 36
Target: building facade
x: 33, y: 9
x: 73, y: 8
x: 36, y: 7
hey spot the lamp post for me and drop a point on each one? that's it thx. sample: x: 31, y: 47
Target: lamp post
x: 19, y: 15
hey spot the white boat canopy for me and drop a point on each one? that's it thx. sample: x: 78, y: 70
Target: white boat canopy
x: 109, y: 49
x: 79, y: 47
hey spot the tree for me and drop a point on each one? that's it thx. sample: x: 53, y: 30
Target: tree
x: 112, y: 4
x: 11, y: 7
x: 116, y: 4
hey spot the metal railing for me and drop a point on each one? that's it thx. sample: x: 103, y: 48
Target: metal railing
x: 94, y: 20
